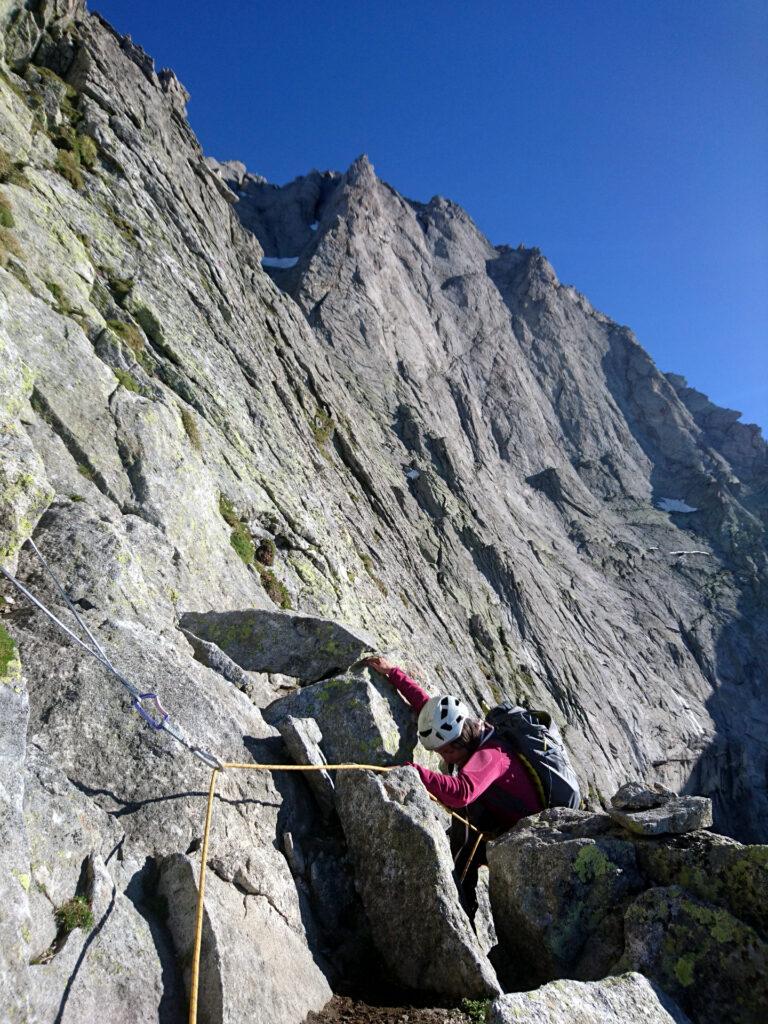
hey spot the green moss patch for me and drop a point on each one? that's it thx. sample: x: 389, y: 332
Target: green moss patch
x: 127, y: 381
x: 591, y: 864
x: 227, y: 510
x: 476, y: 1009
x: 6, y: 164
x: 322, y: 428
x: 241, y: 541
x: 191, y: 429
x: 133, y: 340
x: 62, y: 303
x: 120, y: 288
x: 6, y: 214
x: 68, y: 166
x: 10, y: 666
x: 9, y: 246
x: 88, y: 150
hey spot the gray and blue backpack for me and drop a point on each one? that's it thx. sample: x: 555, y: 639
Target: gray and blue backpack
x: 536, y: 740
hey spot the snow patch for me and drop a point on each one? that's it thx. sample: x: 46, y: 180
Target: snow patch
x: 314, y: 226
x: 280, y: 262
x: 674, y: 505
x: 413, y: 474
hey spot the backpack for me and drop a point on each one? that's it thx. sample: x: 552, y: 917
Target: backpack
x: 536, y: 740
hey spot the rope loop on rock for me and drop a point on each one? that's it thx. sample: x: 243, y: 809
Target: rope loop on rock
x: 199, y: 915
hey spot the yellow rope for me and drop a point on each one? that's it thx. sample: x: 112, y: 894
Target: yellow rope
x: 200, y: 898
x: 472, y: 855
x: 195, y: 979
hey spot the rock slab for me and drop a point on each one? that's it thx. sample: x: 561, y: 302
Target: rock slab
x: 259, y: 640
x: 628, y: 997
x: 673, y: 817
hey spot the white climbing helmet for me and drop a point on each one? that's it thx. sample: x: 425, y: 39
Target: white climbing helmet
x: 440, y: 721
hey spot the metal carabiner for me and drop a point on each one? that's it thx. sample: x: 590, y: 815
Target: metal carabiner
x: 137, y: 704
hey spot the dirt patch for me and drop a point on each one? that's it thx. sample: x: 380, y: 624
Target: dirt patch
x: 343, y: 1010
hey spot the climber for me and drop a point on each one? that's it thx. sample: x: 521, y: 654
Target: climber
x: 491, y: 785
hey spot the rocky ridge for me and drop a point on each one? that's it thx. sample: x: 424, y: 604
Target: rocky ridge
x: 404, y: 429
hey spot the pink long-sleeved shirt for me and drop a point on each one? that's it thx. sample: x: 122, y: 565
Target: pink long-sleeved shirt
x: 491, y: 772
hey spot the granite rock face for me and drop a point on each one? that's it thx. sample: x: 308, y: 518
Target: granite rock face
x: 399, y: 427
x: 576, y: 895
x: 235, y: 984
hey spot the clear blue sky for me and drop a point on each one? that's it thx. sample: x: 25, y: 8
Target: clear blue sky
x: 627, y: 139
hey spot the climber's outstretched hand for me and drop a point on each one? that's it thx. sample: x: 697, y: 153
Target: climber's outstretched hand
x: 380, y: 665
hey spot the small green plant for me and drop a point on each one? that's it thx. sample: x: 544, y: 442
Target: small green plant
x: 128, y: 381
x: 76, y: 497
x: 120, y: 288
x: 242, y: 542
x: 227, y: 510
x: 476, y: 1009
x: 11, y: 172
x: 68, y: 166
x: 133, y: 339
x: 265, y: 552
x: 6, y: 215
x: 88, y: 151
x: 9, y: 246
x: 7, y: 650
x: 75, y: 913
x: 191, y: 429
x: 6, y: 164
x: 86, y: 471
x: 276, y: 590
x: 240, y: 538
x: 61, y: 300
x: 322, y: 428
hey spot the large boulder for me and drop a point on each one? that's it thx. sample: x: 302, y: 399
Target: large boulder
x: 285, y: 642
x: 712, y: 964
x: 361, y: 717
x: 628, y: 997
x: 713, y: 868
x: 559, y: 882
x: 404, y: 873
x: 109, y: 971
